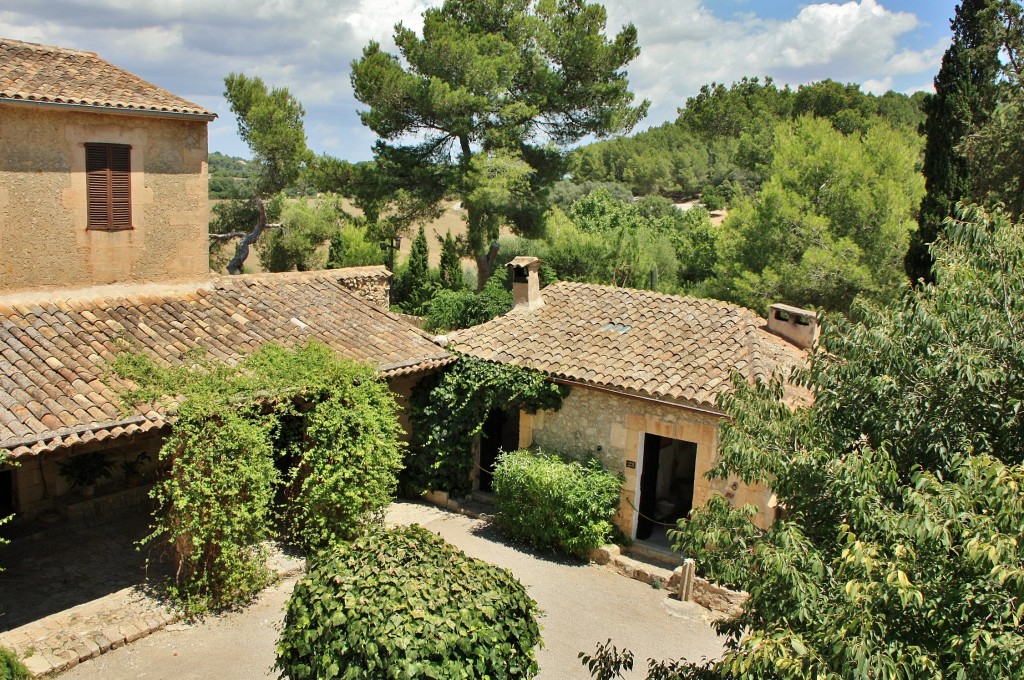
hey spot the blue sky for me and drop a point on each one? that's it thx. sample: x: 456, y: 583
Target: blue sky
x: 188, y: 46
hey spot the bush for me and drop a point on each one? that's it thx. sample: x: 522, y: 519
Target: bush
x: 10, y: 667
x: 349, y: 467
x: 403, y: 603
x: 554, y: 504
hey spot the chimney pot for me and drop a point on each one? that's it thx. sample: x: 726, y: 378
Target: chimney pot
x: 526, y: 282
x: 798, y: 326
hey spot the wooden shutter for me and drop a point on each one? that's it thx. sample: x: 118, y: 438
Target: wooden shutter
x: 108, y: 185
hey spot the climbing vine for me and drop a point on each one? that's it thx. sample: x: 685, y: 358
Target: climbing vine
x: 293, y: 443
x: 449, y: 409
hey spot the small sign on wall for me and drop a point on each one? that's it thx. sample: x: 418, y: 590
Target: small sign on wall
x: 630, y: 464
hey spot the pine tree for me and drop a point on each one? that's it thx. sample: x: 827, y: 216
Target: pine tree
x: 965, y: 96
x: 493, y: 93
x: 451, y: 264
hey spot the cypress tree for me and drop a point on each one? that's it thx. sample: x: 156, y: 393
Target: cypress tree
x: 451, y: 264
x: 965, y: 96
x: 416, y: 286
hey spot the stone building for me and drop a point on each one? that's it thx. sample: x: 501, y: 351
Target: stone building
x: 104, y: 225
x: 644, y: 371
x: 103, y: 176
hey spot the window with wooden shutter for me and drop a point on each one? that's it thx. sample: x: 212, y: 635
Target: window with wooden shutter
x: 108, y: 184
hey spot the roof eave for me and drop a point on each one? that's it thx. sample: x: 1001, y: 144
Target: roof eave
x: 93, y: 108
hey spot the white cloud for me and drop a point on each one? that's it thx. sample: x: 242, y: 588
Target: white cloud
x: 688, y: 46
x: 188, y: 46
x: 877, y: 86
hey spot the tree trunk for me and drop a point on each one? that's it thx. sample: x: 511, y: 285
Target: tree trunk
x: 485, y: 265
x: 242, y: 253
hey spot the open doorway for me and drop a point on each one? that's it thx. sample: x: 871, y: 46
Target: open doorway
x: 668, y: 469
x: 7, y: 500
x: 500, y: 433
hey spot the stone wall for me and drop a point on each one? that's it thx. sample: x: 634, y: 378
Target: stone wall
x: 43, y: 208
x: 612, y: 426
x: 370, y: 284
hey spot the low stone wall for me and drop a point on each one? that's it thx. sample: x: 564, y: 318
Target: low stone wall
x: 103, y: 506
x: 682, y: 581
x: 716, y: 598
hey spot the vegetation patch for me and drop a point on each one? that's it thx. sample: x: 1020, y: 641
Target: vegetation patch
x: 449, y: 409
x: 551, y: 503
x: 403, y: 603
x: 294, y: 443
x: 10, y: 667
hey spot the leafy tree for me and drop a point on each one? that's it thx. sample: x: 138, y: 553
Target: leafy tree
x: 270, y: 122
x: 831, y: 222
x: 898, y: 551
x: 350, y: 247
x: 631, y: 246
x: 720, y: 111
x: 298, y: 242
x: 387, y: 209
x: 566, y: 192
x: 230, y: 176
x: 487, y: 91
x: 995, y: 150
x: 965, y: 96
x: 452, y: 277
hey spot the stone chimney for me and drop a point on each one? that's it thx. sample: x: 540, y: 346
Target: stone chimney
x: 526, y: 282
x: 798, y: 326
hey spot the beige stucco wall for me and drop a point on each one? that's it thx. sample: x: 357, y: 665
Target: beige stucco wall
x: 43, y: 199
x: 612, y: 427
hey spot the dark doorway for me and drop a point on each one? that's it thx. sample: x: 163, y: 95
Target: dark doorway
x: 6, y: 493
x: 500, y: 433
x: 666, y: 485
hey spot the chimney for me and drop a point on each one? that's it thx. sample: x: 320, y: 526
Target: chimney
x: 798, y: 326
x: 526, y: 282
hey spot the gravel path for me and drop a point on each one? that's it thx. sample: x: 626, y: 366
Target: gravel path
x: 582, y: 604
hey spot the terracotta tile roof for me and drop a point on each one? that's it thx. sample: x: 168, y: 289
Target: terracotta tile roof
x: 54, y: 350
x: 674, y: 348
x: 56, y: 75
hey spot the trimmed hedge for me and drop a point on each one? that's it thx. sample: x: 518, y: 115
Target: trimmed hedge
x: 551, y: 503
x: 403, y: 603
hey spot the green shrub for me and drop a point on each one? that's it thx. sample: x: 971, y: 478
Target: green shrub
x: 403, y: 603
x: 554, y: 504
x: 10, y: 667
x: 287, y: 442
x: 348, y: 468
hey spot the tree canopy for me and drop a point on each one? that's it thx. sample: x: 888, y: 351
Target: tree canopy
x: 831, y: 221
x: 479, y: 105
x: 270, y: 122
x: 898, y: 550
x: 965, y: 95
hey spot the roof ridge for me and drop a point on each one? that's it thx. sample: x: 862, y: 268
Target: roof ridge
x: 721, y: 304
x: 48, y: 48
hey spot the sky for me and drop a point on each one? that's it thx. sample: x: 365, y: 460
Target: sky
x: 188, y: 46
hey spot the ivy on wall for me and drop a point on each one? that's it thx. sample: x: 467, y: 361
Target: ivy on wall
x: 296, y: 443
x: 448, y: 410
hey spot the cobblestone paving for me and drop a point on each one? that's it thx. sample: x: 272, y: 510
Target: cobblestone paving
x: 71, y: 592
